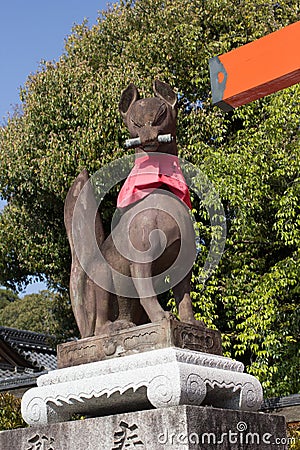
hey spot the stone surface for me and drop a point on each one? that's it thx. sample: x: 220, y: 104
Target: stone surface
x: 159, y: 378
x: 175, y: 428
x: 167, y: 333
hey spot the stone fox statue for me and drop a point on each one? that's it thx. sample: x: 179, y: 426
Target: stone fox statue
x: 155, y: 222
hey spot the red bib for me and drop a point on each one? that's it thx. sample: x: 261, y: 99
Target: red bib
x: 151, y: 172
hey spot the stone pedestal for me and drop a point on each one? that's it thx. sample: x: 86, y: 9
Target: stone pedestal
x: 152, y: 387
x: 130, y: 341
x: 159, y: 378
x: 175, y: 428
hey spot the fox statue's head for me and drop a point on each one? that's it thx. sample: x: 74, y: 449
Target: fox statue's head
x: 151, y: 121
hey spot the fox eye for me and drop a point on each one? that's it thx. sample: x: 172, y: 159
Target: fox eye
x: 135, y: 123
x: 160, y: 116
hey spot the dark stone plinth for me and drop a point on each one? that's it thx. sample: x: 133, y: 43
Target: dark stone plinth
x: 176, y: 428
x: 154, y: 336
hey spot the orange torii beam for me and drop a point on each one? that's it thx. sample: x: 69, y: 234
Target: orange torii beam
x: 256, y: 69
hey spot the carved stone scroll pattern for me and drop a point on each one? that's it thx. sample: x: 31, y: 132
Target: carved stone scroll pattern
x: 36, y: 410
x: 165, y: 377
x: 168, y: 333
x: 135, y: 361
x: 94, y: 393
x: 140, y: 340
x: 212, y: 361
x: 75, y: 352
x: 161, y: 392
x: 249, y: 396
x: 195, y: 388
x: 194, y: 338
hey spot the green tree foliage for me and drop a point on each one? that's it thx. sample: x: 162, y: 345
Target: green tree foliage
x: 10, y: 412
x: 46, y: 312
x: 6, y: 297
x: 294, y: 436
x: 70, y: 121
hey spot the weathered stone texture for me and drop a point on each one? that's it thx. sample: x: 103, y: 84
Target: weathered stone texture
x: 167, y: 333
x: 176, y: 428
x: 159, y: 378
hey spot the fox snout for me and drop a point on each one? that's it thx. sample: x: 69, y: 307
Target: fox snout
x: 148, y: 134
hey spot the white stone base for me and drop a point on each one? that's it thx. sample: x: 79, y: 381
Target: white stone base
x: 158, y: 378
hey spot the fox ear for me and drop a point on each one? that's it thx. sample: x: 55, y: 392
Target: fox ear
x: 165, y: 92
x: 128, y: 97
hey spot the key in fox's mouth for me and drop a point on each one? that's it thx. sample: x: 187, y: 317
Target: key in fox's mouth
x: 136, y: 142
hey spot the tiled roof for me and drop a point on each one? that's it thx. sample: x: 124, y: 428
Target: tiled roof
x: 24, y: 338
x: 25, y: 356
x: 281, y: 402
x: 42, y: 360
x: 16, y: 377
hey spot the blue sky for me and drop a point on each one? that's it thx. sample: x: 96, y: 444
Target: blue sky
x: 34, y: 30
x: 31, y: 31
